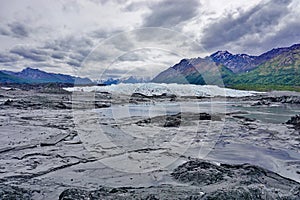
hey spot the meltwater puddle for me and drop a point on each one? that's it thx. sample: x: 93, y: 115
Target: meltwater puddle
x: 282, y: 161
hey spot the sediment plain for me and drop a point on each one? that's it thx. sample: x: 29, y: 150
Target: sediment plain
x: 57, y: 144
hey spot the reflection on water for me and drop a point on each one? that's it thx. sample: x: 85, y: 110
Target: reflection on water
x: 277, y: 160
x: 279, y: 113
x: 283, y: 161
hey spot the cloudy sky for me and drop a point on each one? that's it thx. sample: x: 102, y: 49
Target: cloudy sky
x: 112, y: 38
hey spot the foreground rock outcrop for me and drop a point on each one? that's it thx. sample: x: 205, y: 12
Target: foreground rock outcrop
x: 8, y: 192
x: 237, y: 181
x: 204, y: 180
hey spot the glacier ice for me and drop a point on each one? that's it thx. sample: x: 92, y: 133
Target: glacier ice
x: 156, y: 89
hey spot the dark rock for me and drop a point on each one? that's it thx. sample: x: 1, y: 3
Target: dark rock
x: 206, y: 116
x: 150, y: 193
x: 247, y: 119
x: 8, y: 102
x: 61, y: 105
x: 164, y: 95
x: 23, y: 104
x: 239, y: 193
x: 221, y: 182
x: 101, y: 105
x: 101, y: 193
x: 138, y: 97
x: 261, y: 103
x: 242, y: 181
x: 144, y: 121
x: 172, y: 121
x: 283, y: 99
x: 116, y: 190
x: 151, y: 197
x: 200, y: 173
x: 295, y: 120
x: 14, y: 193
x: 71, y: 194
x: 179, y: 119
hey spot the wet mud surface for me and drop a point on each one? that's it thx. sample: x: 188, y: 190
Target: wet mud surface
x: 57, y: 145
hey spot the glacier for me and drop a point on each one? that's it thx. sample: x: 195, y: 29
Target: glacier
x: 157, y: 89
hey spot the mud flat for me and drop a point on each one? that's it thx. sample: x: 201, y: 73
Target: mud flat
x: 95, y: 145
x: 204, y: 180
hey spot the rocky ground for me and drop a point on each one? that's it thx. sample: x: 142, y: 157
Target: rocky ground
x: 205, y: 180
x: 59, y: 145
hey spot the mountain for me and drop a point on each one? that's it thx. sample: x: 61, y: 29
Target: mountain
x: 283, y: 69
x: 30, y: 75
x: 109, y: 81
x: 278, y: 51
x: 6, y: 78
x: 280, y: 66
x: 236, y: 63
x: 134, y: 79
x: 240, y: 63
x: 194, y: 71
x: 131, y: 79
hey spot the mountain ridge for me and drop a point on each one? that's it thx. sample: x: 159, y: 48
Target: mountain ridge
x: 130, y: 79
x: 32, y: 76
x: 279, y: 66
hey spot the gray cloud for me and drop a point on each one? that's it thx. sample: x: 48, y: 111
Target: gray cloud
x: 104, y: 33
x: 76, y: 59
x: 58, y: 55
x: 131, y: 57
x: 114, y: 73
x: 70, y: 43
x: 67, y: 51
x: 73, y: 63
x: 106, y: 1
x: 72, y: 50
x: 100, y: 33
x: 64, y: 34
x: 28, y: 53
x: 19, y: 30
x: 132, y: 7
x: 6, y: 58
x: 15, y: 29
x: 259, y: 20
x: 4, y: 31
x: 170, y: 13
x: 288, y: 35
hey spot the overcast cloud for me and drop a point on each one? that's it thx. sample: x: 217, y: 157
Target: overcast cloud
x: 170, y: 13
x: 59, y: 36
